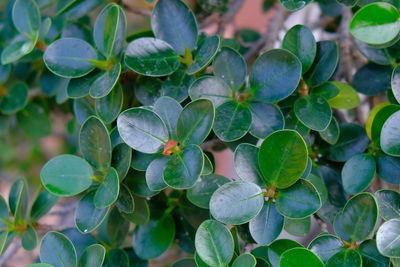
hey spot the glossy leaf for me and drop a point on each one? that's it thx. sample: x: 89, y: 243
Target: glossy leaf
x: 168, y: 109
x: 42, y: 205
x: 246, y: 164
x: 395, y: 83
x: 283, y: 158
x: 265, y: 119
x: 108, y: 107
x: 56, y: 249
x: 15, y: 99
x: 245, y: 200
x: 87, y: 216
x: 370, y: 254
x: 105, y: 82
x: 387, y: 238
x: 331, y: 133
x: 390, y: 135
x: 274, y: 75
x: 316, y: 105
x: 200, y: 194
x: 177, y: 85
x: 293, y: 256
x: 247, y: 260
x: 26, y: 18
x: 388, y: 203
x: 347, y: 98
x: 204, y: 54
x: 18, y: 200
x: 212, y: 88
x: 34, y: 120
x: 298, y: 227
x: 230, y: 66
x: 29, y: 238
x: 154, y: 174
x: 278, y: 247
x: 60, y: 179
x: 387, y: 168
x: 70, y: 57
x: 358, y: 173
x: 107, y: 193
x: 17, y: 50
x: 372, y: 79
x: 348, y: 257
x: 125, y: 202
x: 325, y: 246
x: 93, y: 256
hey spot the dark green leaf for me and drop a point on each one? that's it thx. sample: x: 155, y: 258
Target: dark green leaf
x: 29, y: 238
x: 204, y: 54
x: 41, y: 205
x: 116, y: 258
x: 371, y: 256
x: 125, y: 202
x: 93, y: 256
x: 168, y: 109
x: 26, y: 18
x: 15, y: 99
x: 105, y: 82
x: 117, y: 228
x: 16, y: 50
x: 294, y: 256
x: 141, y: 214
x: 34, y: 120
x: 388, y: 168
x: 148, y: 90
x: 395, y: 83
x: 358, y: 173
x: 388, y: 203
x: 246, y: 164
x: 277, y: 248
x: 108, y: 107
x: 318, y: 107
x: 390, y: 135
x: 58, y: 250
x: 325, y: 246
x: 82, y: 110
x: 345, y: 258
x: 298, y: 227
x: 107, y: 192
x: 177, y: 85
x: 331, y: 133
x: 80, y: 87
x: 212, y: 88
x: 200, y: 194
x: 387, y: 238
x: 18, y: 200
x: 154, y: 174
x: 121, y: 159
x: 247, y: 260
x: 266, y: 118
x: 372, y: 79
x: 319, y: 184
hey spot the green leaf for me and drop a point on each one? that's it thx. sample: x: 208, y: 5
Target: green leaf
x: 80, y: 87
x: 298, y: 227
x: 87, y: 216
x: 116, y: 257
x: 352, y: 140
x: 388, y: 203
x: 283, y: 158
x: 358, y: 218
x: 40, y: 265
x: 294, y: 5
x: 154, y: 174
x: 298, y: 201
x: 125, y: 202
x: 319, y: 184
x: 151, y: 57
x: 16, y: 50
x: 82, y: 110
x: 3, y: 240
x: 69, y: 57
x: 15, y: 99
x: 109, y: 30
x: 388, y: 168
x: 56, y: 249
x: 173, y: 22
x: 42, y: 204
x: 141, y: 161
x: 105, y: 82
x: 187, y: 262
x: 184, y: 168
x: 376, y: 23
x: 214, y: 243
x: 358, y: 173
x: 204, y: 54
x: 267, y: 225
x: 347, y: 98
x: 372, y: 79
x: 108, y: 107
x: 370, y: 254
x: 168, y: 109
x: 266, y: 118
x: 18, y: 200
x: 142, y: 129
x: 141, y: 214
x: 247, y: 260
x: 390, y: 136
x: 177, y: 85
x: 200, y: 194
x: 154, y: 238
x: 277, y: 248
x: 331, y: 133
x: 231, y: 67
x: 318, y: 107
x: 107, y: 192
x: 245, y: 200
x: 208, y: 166
x: 395, y: 83
x: 4, y: 215
x: 195, y: 122
x: 246, y: 164
x: 324, y: 65
x: 387, y: 238
x: 95, y: 143
x: 60, y: 179
x: 212, y: 88
x: 26, y: 18
x: 29, y: 238
x: 34, y: 120
x: 325, y: 246
x: 274, y: 75
x: 117, y: 228
x: 232, y: 121
x: 93, y: 256
x: 291, y: 122
x: 301, y: 42
x: 148, y: 90
x: 345, y: 258
x: 294, y: 256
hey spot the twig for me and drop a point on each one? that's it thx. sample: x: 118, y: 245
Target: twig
x: 16, y: 244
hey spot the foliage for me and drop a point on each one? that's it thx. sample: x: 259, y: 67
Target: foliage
x: 149, y: 108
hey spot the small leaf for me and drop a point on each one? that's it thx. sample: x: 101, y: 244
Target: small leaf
x: 277, y: 248
x: 230, y: 66
x: 42, y: 205
x: 105, y: 82
x: 347, y: 98
x: 177, y: 85
x: 204, y: 54
x: 93, y: 256
x: 18, y: 200
x: 107, y: 192
x: 214, y: 243
x: 195, y: 122
x: 141, y: 214
x: 125, y: 202
x: 293, y: 256
x: 26, y: 18
x: 154, y: 174
x: 117, y: 228
x: 301, y: 42
x: 34, y: 120
x: 298, y: 201
x: 108, y: 107
x: 265, y: 119
x: 184, y: 168
x: 298, y: 227
x: 245, y: 200
x: 17, y: 50
x: 142, y: 129
x: 316, y: 105
x: 388, y: 203
x: 173, y: 22
x: 148, y: 90
x: 200, y: 194
x: 267, y: 225
x: 283, y: 158
x: 69, y: 57
x: 247, y: 260
x: 331, y: 133
x: 82, y: 110
x: 151, y: 57
x: 57, y: 250
x: 274, y: 75
x: 168, y: 109
x: 60, y: 179
x: 15, y: 99
x: 390, y: 138
x: 358, y: 173
x: 387, y: 238
x: 347, y: 257
x: 246, y: 164
x: 379, y: 120
x: 80, y: 87
x: 232, y: 121
x: 154, y: 238
x: 116, y: 256
x: 388, y: 168
x: 95, y: 143
x: 87, y: 216
x: 212, y: 88
x: 325, y: 246
x: 324, y: 65
x: 376, y: 23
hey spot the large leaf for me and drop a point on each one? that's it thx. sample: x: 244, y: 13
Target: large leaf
x: 390, y: 135
x: 246, y: 164
x: 26, y: 18
x: 300, y: 41
x: 388, y: 238
x: 87, y: 216
x: 195, y: 122
x: 283, y: 158
x: 142, y: 130
x: 212, y: 88
x: 379, y: 120
x: 388, y: 203
x: 56, y: 249
x: 294, y: 256
x: 200, y: 194
x: 154, y: 238
x: 60, y: 179
x: 173, y: 22
x: 376, y: 23
x: 70, y: 57
x: 277, y: 248
x: 245, y: 200
x: 230, y: 66
x: 388, y: 168
x: 358, y: 173
x: 267, y: 225
x: 358, y: 218
x: 109, y: 30
x: 318, y: 107
x: 214, y: 243
x: 95, y: 143
x: 151, y: 57
x: 274, y: 75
